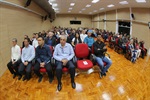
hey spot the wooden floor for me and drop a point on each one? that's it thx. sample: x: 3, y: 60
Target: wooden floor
x: 124, y: 81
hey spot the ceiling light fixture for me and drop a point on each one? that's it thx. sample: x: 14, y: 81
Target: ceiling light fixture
x: 141, y: 1
x: 88, y: 5
x: 72, y: 4
x: 111, y: 5
x: 101, y: 9
x: 70, y: 8
x: 83, y: 9
x: 95, y: 1
x: 123, y: 2
x: 95, y: 11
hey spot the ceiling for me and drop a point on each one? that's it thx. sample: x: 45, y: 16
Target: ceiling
x: 63, y: 6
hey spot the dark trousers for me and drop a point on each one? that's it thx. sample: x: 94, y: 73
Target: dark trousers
x: 48, y: 69
x: 27, y: 69
x: 59, y: 67
x: 13, y: 68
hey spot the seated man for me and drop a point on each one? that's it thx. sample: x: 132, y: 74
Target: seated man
x: 28, y: 54
x: 43, y: 56
x: 99, y: 49
x: 50, y: 40
x: 89, y: 40
x: 15, y: 58
x: 63, y: 53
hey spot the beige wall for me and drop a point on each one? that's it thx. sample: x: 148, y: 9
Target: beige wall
x: 15, y: 22
x: 64, y: 20
x: 140, y: 27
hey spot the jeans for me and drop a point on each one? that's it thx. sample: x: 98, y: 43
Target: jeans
x: 101, y: 64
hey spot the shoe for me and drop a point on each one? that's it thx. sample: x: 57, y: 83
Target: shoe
x: 14, y: 75
x: 19, y: 77
x: 59, y: 87
x: 51, y: 79
x: 73, y: 84
x: 106, y: 70
x: 24, y: 78
x: 104, y: 74
x: 100, y: 75
x: 40, y: 78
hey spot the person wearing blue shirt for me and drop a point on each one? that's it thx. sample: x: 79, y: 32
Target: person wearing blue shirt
x: 43, y: 56
x: 28, y: 54
x: 89, y: 40
x: 63, y: 54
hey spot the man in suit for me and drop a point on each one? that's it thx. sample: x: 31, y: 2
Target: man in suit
x: 43, y: 56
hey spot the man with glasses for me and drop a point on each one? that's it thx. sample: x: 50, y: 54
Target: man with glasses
x: 63, y: 54
x: 99, y: 51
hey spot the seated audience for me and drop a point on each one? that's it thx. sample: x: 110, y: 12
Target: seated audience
x: 43, y: 56
x: 63, y: 54
x: 15, y: 58
x: 99, y: 51
x: 28, y: 54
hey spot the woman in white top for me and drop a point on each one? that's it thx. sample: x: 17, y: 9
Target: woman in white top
x: 15, y: 58
x: 83, y: 35
x: 76, y: 39
x: 35, y: 41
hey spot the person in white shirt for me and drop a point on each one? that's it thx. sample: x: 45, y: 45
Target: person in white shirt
x: 15, y: 58
x: 35, y: 41
x: 83, y: 35
x: 28, y: 54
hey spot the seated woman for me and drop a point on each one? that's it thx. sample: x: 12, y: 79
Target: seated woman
x: 133, y: 51
x: 76, y: 39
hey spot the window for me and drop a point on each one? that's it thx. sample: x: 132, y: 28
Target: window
x: 75, y: 22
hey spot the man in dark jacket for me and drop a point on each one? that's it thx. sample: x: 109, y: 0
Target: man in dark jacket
x: 50, y: 40
x: 99, y: 50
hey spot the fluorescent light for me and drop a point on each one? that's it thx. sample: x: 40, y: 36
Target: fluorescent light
x: 56, y: 9
x: 123, y: 2
x: 69, y: 11
x: 72, y: 4
x: 95, y: 11
x: 88, y: 5
x: 95, y: 1
x: 141, y: 1
x: 70, y: 8
x: 51, y: 1
x: 83, y: 9
x: 54, y: 4
x: 101, y: 9
x: 111, y: 5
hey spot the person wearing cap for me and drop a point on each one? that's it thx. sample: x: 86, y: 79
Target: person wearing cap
x: 15, y: 58
x: 89, y: 40
x: 99, y: 51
